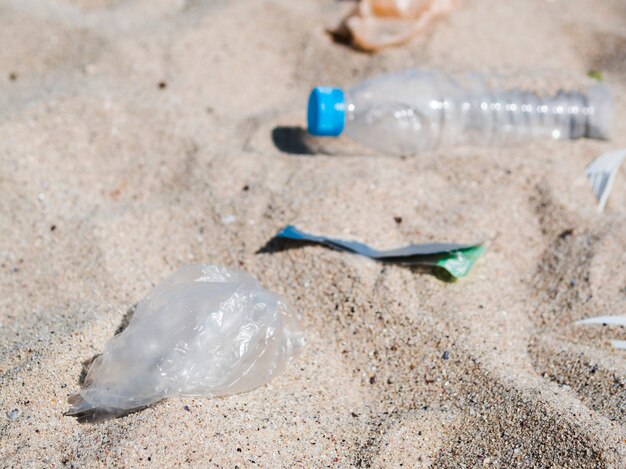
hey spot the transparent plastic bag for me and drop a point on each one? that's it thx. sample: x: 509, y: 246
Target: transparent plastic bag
x: 205, y: 331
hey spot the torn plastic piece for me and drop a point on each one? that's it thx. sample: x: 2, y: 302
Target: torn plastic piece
x: 601, y: 173
x: 459, y: 262
x: 205, y: 331
x: 457, y: 259
x: 611, y: 321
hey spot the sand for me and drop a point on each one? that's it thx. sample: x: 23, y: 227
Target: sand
x: 133, y: 131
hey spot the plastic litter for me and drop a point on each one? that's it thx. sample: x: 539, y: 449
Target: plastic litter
x: 457, y: 259
x: 611, y: 321
x: 601, y: 173
x: 205, y: 331
x: 375, y: 24
x: 418, y: 110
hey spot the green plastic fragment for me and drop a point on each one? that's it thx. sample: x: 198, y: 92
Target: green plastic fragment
x: 458, y: 263
x: 595, y: 74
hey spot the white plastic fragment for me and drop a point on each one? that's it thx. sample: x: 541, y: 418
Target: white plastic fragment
x: 619, y: 344
x: 610, y: 321
x: 601, y: 173
x: 13, y: 414
x: 228, y: 219
x: 205, y: 331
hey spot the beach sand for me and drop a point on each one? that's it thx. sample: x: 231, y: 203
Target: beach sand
x: 133, y: 131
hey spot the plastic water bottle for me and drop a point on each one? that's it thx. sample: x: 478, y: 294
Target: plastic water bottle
x: 418, y: 110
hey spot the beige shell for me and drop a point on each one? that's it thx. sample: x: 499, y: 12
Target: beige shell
x: 380, y: 23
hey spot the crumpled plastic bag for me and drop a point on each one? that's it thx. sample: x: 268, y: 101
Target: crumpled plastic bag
x: 205, y: 331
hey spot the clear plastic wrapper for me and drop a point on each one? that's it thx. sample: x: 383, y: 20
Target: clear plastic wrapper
x: 205, y: 331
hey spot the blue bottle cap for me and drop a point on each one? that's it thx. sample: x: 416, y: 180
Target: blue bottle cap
x: 327, y: 110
